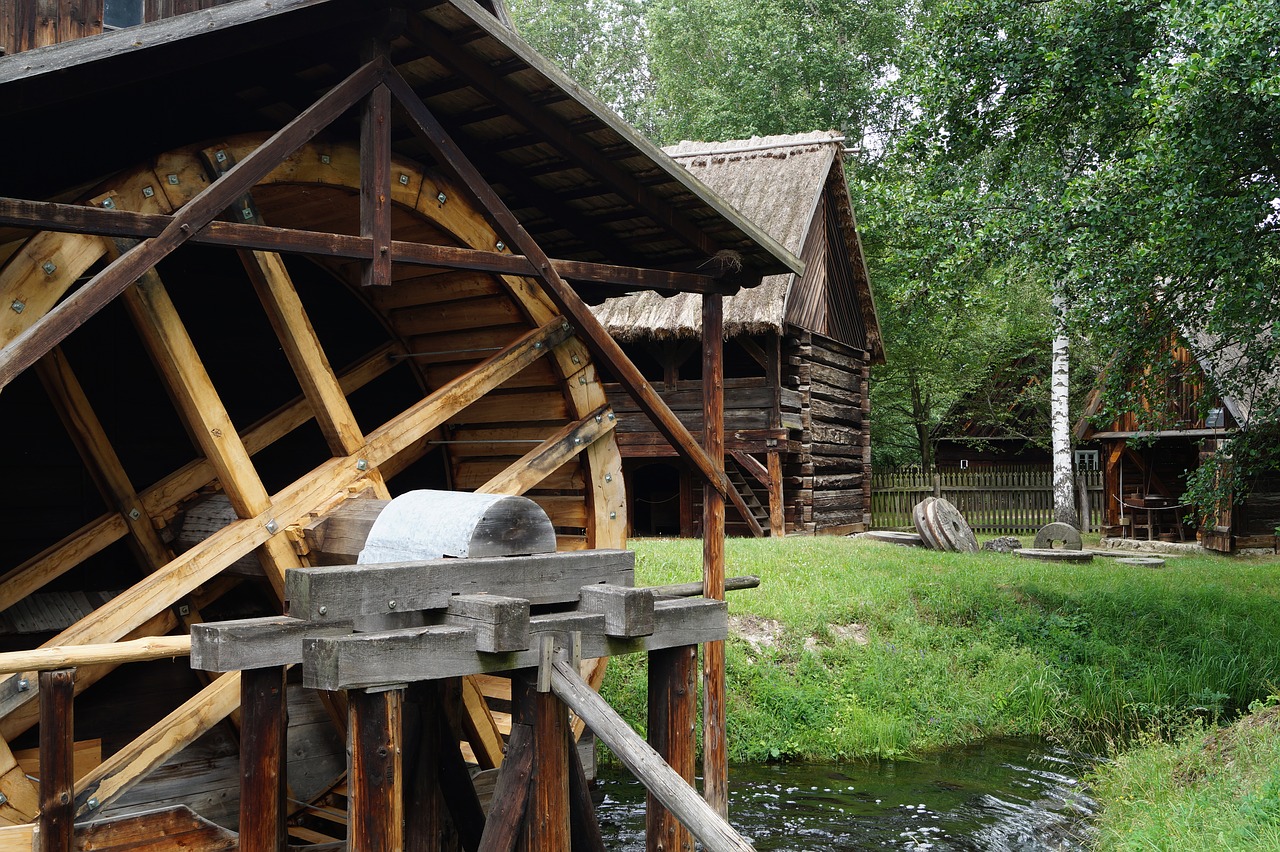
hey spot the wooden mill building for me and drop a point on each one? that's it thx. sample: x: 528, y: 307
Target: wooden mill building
x: 798, y: 350
x: 265, y: 262
x: 1146, y: 460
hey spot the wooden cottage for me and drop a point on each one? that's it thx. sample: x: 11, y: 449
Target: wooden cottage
x: 265, y: 262
x: 1146, y: 460
x: 1002, y: 421
x: 798, y: 350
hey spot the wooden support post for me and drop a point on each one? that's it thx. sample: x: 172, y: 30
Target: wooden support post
x: 262, y: 759
x: 57, y: 774
x: 715, y: 768
x: 511, y: 794
x: 583, y: 825
x: 451, y: 770
x: 374, y: 771
x: 426, y: 822
x: 546, y: 822
x: 711, y: 830
x: 375, y: 185
x: 673, y: 696
x: 777, y: 524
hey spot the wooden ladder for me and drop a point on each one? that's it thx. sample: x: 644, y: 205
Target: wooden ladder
x: 759, y: 513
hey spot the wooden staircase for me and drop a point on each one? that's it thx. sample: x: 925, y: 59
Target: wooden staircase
x: 757, y: 518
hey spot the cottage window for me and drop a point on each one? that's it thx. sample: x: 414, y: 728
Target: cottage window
x: 118, y: 14
x: 1087, y: 460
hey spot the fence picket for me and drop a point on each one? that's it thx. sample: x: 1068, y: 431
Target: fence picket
x: 1008, y: 500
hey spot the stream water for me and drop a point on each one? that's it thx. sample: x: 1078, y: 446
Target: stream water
x: 1015, y: 795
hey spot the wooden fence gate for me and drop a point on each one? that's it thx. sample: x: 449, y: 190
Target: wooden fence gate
x: 1015, y: 500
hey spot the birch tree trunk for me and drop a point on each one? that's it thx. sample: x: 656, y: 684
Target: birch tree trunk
x: 1064, y: 502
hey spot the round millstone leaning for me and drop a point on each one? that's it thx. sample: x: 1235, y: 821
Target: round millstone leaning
x: 1065, y: 533
x: 952, y: 530
x: 1055, y: 555
x: 894, y: 537
x: 922, y: 525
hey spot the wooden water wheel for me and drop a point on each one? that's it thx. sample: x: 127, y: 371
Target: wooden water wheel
x: 280, y: 388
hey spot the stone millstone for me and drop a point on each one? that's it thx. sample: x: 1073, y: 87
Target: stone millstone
x: 1056, y: 555
x: 894, y: 537
x: 922, y: 525
x: 952, y: 530
x: 1142, y: 561
x: 1065, y: 533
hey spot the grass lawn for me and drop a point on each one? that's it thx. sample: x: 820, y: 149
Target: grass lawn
x: 885, y: 651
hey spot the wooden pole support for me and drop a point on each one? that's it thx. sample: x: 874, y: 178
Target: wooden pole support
x: 374, y: 770
x: 546, y: 822
x: 715, y: 754
x: 511, y: 794
x: 710, y: 829
x: 673, y: 715
x: 68, y: 656
x: 57, y: 774
x: 263, y: 725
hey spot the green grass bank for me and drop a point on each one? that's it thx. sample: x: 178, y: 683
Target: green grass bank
x: 862, y: 650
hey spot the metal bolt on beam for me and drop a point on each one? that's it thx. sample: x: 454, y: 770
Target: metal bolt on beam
x: 220, y: 156
x: 49, y: 267
x: 362, y: 464
x: 93, y: 803
x: 404, y: 180
x: 134, y: 514
x: 18, y: 306
x: 272, y: 526
x: 326, y: 159
x: 24, y: 685
x: 108, y: 203
x: 441, y: 197
x: 3, y: 799
x: 148, y: 192
x: 173, y: 180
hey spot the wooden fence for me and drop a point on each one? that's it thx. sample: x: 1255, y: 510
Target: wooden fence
x: 996, y: 501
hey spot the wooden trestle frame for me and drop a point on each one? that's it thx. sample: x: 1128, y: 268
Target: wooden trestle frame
x: 206, y: 195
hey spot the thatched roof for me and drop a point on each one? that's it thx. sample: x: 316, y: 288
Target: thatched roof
x: 777, y: 182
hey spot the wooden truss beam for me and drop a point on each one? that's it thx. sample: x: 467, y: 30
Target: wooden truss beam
x: 77, y: 219
x: 540, y: 462
x: 602, y: 345
x: 53, y: 327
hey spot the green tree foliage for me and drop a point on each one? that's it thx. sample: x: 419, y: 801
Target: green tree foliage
x: 1122, y: 152
x: 730, y: 69
x: 599, y: 43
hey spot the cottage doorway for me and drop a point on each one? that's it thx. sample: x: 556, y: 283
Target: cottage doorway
x: 655, y: 499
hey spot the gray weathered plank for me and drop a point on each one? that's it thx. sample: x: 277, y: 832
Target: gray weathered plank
x: 254, y: 643
x: 428, y: 653
x: 329, y: 594
x: 627, y: 611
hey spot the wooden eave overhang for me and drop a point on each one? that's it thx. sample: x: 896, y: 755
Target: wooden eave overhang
x: 584, y: 185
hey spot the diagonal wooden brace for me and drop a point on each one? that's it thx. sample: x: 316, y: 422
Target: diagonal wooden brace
x: 53, y: 327
x: 597, y: 339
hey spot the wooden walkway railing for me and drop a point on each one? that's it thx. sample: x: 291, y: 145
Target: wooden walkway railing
x: 995, y: 501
